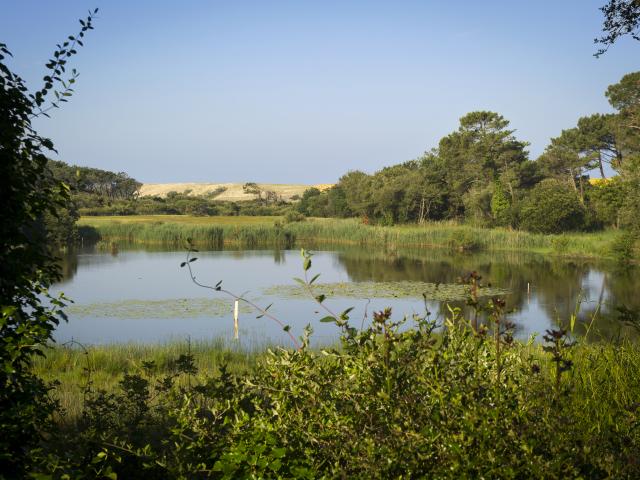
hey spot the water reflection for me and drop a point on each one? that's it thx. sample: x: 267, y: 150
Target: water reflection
x: 539, y: 285
x: 545, y: 291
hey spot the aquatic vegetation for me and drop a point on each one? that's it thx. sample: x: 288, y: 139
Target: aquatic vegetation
x: 430, y: 291
x: 165, y: 308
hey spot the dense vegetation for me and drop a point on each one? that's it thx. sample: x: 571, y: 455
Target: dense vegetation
x: 253, y: 232
x: 481, y: 174
x: 101, y: 192
x: 387, y: 403
x: 447, y: 398
x: 31, y: 200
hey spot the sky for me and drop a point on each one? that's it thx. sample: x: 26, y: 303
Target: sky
x: 304, y: 91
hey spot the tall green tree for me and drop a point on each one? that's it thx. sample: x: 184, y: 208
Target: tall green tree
x: 356, y: 186
x: 597, y: 142
x: 500, y: 206
x: 480, y: 151
x: 562, y: 160
x: 624, y: 96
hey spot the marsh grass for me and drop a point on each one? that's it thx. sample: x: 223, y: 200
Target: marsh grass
x: 103, y: 366
x: 179, y: 219
x: 248, y: 232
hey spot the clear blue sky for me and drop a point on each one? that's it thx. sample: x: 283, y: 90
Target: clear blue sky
x: 304, y: 91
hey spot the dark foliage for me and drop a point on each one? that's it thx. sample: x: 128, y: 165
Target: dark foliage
x: 29, y: 196
x: 552, y: 207
x: 621, y: 17
x: 390, y: 402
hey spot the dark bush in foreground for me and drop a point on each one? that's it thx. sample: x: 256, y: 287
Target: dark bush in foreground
x: 387, y: 404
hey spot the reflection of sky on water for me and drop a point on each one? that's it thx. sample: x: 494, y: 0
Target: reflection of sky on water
x: 554, y: 290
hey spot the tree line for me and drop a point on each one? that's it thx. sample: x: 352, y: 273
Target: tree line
x: 102, y: 184
x: 482, y: 173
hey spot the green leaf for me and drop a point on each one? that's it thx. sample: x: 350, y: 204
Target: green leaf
x: 345, y: 314
x: 279, y: 452
x: 327, y: 319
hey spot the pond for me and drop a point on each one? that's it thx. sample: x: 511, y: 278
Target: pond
x: 145, y: 296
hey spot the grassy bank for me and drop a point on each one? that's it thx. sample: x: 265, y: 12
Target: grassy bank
x: 103, y: 366
x: 251, y: 232
x: 387, y: 404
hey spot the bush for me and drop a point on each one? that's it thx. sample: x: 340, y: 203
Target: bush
x: 626, y: 247
x: 606, y: 198
x: 552, y: 207
x: 35, y: 212
x: 293, y: 216
x: 465, y: 241
x: 390, y: 402
x: 500, y: 206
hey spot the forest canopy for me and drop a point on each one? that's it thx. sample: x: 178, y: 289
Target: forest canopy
x: 482, y: 173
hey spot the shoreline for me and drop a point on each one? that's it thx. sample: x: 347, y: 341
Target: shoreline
x: 250, y: 232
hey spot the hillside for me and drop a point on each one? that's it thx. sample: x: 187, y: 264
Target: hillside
x: 233, y: 192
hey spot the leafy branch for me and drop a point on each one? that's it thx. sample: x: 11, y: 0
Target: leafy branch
x: 621, y: 17
x: 341, y: 320
x: 57, y: 67
x: 240, y: 298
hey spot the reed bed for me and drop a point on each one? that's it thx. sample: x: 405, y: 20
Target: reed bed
x: 255, y: 232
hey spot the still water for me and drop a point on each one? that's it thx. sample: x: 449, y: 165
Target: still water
x: 144, y: 296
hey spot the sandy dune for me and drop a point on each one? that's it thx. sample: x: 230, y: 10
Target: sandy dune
x: 232, y: 193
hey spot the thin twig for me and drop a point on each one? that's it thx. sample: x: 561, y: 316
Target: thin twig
x: 262, y: 311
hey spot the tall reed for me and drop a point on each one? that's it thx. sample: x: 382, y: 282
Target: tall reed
x: 208, y: 232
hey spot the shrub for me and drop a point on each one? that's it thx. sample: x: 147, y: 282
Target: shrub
x: 35, y: 207
x: 293, y: 216
x: 391, y: 402
x: 552, y: 207
x: 478, y: 206
x: 500, y: 206
x: 465, y: 241
x: 606, y: 199
x: 626, y: 247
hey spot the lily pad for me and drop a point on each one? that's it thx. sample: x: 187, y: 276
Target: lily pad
x: 169, y: 308
x: 432, y: 291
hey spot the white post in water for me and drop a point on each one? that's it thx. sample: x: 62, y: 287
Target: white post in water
x: 235, y: 320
